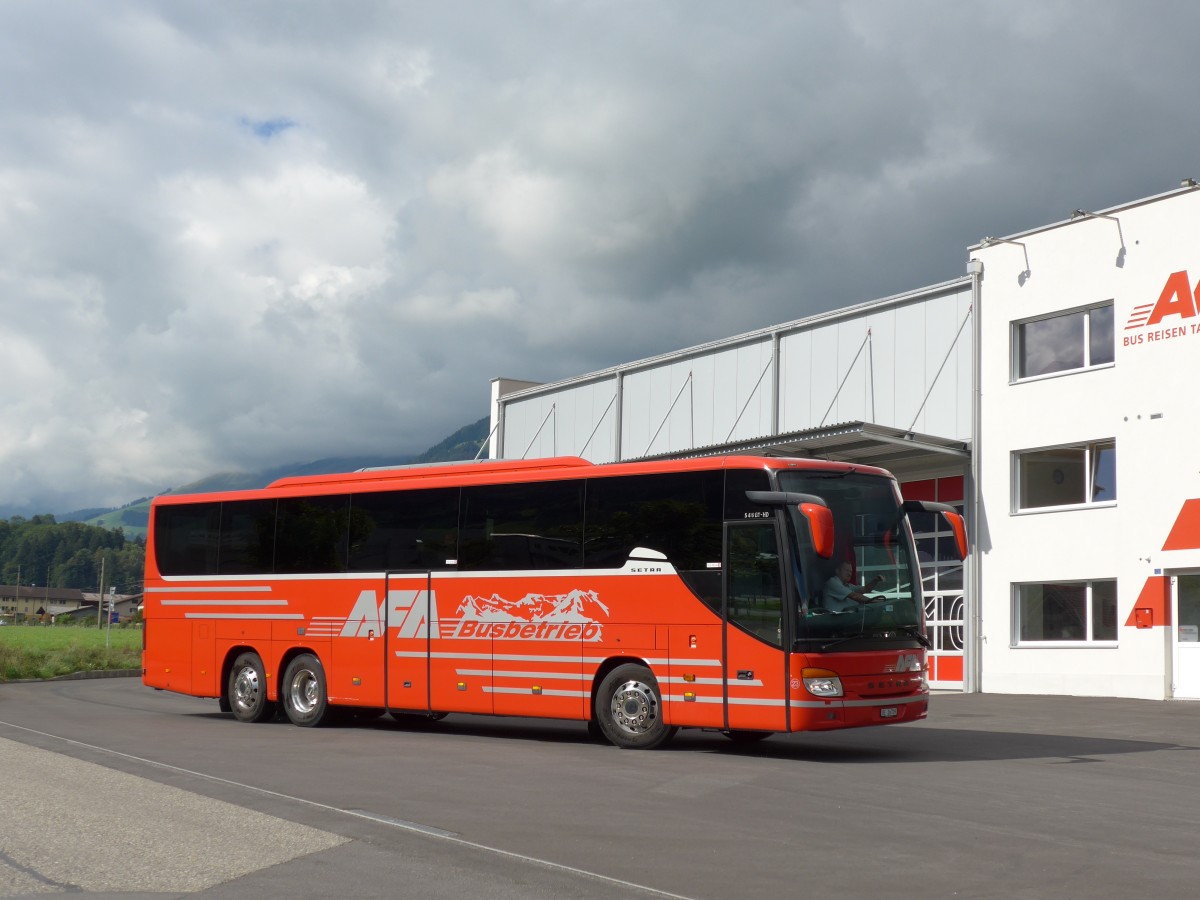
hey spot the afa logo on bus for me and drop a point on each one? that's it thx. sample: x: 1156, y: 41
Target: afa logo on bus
x: 535, y: 617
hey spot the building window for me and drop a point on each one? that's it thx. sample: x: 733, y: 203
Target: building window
x: 1075, y: 612
x: 1064, y: 342
x: 1077, y: 475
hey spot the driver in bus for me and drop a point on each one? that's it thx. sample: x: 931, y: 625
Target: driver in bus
x: 841, y: 594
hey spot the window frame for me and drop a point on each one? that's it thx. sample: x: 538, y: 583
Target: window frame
x: 1015, y: 343
x: 1090, y: 613
x: 1090, y: 448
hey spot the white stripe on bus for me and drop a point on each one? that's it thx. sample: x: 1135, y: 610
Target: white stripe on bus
x: 215, y: 587
x: 246, y: 602
x: 230, y: 616
x: 514, y: 657
x: 500, y: 673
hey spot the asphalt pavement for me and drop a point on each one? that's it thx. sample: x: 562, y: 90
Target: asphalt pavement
x: 109, y: 789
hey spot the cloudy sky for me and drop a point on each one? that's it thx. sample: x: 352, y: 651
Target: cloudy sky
x: 244, y: 234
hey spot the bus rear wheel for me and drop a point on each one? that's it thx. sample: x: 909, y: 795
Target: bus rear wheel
x: 305, y: 695
x: 246, y: 691
x: 629, y: 708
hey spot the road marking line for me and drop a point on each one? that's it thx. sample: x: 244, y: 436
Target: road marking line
x: 412, y: 827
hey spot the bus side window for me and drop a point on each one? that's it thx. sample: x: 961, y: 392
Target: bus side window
x: 522, y: 526
x: 247, y: 545
x: 185, y: 538
x: 404, y: 530
x: 676, y: 513
x: 310, y: 535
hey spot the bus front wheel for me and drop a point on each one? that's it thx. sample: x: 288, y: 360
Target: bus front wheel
x: 247, y: 690
x: 305, y: 696
x: 629, y: 708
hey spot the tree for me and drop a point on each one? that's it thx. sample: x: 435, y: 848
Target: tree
x: 69, y: 554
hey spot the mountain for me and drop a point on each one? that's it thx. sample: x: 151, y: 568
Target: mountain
x: 463, y: 444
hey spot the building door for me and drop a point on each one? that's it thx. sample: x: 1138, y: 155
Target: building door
x: 941, y: 580
x: 1185, y: 614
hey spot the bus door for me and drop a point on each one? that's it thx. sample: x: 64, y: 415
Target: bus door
x: 754, y: 630
x: 408, y: 641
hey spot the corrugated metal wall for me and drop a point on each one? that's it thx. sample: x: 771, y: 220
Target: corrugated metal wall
x: 903, y: 362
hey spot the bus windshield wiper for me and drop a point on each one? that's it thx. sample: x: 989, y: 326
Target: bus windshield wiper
x: 910, y: 630
x: 845, y: 640
x: 915, y: 633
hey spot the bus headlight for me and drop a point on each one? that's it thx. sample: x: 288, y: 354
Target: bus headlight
x: 822, y: 682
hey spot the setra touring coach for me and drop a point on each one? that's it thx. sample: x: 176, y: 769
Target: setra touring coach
x: 638, y: 597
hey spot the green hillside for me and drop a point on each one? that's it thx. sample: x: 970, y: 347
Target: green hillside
x: 464, y: 444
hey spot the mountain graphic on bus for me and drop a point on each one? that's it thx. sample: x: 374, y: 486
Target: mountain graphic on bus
x: 577, y: 607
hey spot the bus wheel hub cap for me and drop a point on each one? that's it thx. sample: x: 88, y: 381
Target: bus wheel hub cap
x: 634, y: 707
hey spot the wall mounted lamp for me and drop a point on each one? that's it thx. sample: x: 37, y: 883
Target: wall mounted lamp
x: 1084, y: 214
x: 992, y: 241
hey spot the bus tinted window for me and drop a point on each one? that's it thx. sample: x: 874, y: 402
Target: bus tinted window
x: 185, y: 539
x: 522, y: 526
x: 678, y: 514
x: 311, y: 534
x: 404, y: 530
x: 247, y: 545
x: 755, y: 580
x: 737, y: 482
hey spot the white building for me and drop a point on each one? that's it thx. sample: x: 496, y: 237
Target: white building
x: 1086, y: 377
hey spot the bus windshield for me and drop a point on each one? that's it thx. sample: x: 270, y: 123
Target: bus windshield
x: 867, y: 593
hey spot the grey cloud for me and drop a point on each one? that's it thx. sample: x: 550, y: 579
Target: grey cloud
x: 234, y: 236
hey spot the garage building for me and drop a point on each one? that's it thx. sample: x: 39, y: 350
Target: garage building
x: 1051, y: 393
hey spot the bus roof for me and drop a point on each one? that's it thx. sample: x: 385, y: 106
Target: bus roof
x: 506, y: 472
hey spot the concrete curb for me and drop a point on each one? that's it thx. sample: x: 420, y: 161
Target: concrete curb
x: 80, y: 676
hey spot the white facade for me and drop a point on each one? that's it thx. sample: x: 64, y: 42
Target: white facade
x: 1072, y: 438
x: 1138, y: 407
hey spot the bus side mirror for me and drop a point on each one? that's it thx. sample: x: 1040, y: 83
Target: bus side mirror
x: 818, y: 516
x: 820, y: 528
x: 959, y: 526
x: 952, y: 516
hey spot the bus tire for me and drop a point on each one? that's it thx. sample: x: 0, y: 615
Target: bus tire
x: 304, y: 692
x: 247, y: 691
x: 629, y: 708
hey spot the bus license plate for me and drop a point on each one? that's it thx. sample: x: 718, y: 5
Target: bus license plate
x: 889, y: 712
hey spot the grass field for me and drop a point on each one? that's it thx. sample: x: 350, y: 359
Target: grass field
x: 39, y: 651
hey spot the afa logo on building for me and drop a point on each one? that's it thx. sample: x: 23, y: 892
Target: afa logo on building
x: 1172, y: 317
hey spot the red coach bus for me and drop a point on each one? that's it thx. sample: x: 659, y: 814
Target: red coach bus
x: 639, y: 597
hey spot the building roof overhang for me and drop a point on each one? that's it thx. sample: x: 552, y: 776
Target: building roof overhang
x: 900, y: 452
